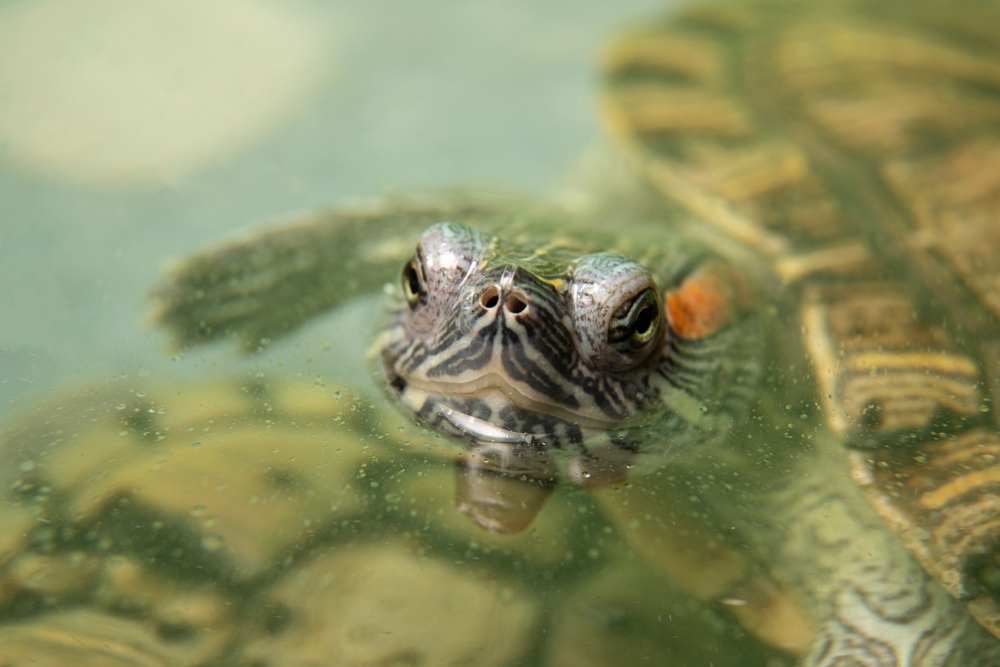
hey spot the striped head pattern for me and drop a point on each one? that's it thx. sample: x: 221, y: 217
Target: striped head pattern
x: 547, y: 349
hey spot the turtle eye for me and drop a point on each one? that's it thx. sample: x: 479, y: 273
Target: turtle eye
x: 414, y: 283
x: 618, y: 314
x: 635, y: 322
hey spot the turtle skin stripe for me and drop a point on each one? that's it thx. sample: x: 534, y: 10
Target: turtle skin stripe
x: 858, y: 635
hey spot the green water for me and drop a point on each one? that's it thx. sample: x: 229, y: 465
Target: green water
x: 276, y: 520
x: 189, y: 508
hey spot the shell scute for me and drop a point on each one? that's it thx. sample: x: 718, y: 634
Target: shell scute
x: 737, y: 170
x: 882, y: 372
x: 954, y: 197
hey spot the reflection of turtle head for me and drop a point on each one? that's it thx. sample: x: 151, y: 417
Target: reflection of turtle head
x: 529, y: 351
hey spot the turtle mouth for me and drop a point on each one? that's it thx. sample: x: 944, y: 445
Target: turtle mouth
x: 490, y: 410
x: 480, y: 430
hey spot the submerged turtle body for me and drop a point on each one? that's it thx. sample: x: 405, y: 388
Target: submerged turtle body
x: 268, y: 524
x: 776, y: 375
x: 855, y: 146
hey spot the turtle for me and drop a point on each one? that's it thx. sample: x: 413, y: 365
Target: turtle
x: 760, y: 326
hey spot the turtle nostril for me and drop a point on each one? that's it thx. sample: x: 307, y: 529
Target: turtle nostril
x: 489, y: 298
x: 515, y: 304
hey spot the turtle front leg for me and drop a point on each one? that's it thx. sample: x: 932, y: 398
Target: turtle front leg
x: 263, y: 286
x: 923, y: 627
x: 875, y: 605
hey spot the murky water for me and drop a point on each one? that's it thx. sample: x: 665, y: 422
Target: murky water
x: 203, y: 508
x: 277, y: 520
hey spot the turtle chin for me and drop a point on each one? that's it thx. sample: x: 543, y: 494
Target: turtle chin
x: 515, y: 456
x: 492, y: 416
x: 506, y: 473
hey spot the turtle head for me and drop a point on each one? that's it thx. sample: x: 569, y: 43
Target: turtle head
x: 501, y: 344
x: 528, y: 352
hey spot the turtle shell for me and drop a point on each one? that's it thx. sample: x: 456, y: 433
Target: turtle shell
x: 855, y: 147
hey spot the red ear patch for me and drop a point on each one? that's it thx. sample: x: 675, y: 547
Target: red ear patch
x: 703, y: 303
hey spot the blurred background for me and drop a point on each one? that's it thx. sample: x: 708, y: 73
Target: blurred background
x: 132, y: 133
